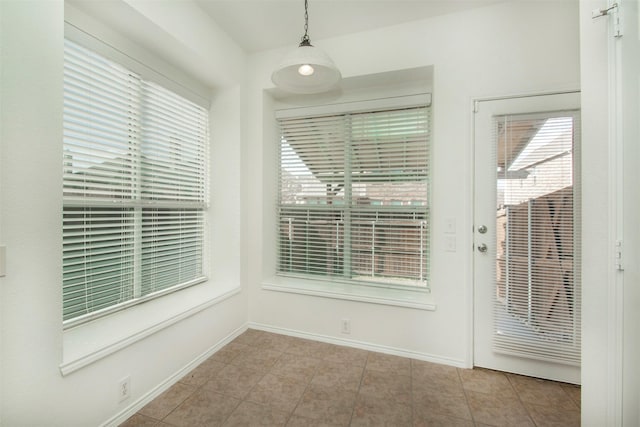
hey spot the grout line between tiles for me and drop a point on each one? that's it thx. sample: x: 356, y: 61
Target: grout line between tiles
x: 357, y: 395
x: 413, y: 411
x: 533, y: 421
x: 466, y: 397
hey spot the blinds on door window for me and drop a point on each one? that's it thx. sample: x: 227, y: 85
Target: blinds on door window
x: 537, y: 306
x: 353, y: 196
x: 134, y: 185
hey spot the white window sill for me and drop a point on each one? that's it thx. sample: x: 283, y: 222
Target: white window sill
x: 92, y: 341
x: 419, y: 299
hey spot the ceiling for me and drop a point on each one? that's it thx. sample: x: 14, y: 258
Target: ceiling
x: 265, y: 24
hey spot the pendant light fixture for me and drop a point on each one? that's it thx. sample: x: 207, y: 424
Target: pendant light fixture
x: 307, y: 69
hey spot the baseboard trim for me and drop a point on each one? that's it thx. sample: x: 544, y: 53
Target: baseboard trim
x: 130, y: 410
x: 360, y: 345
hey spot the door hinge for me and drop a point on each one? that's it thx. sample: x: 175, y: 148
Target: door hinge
x: 619, y: 252
x: 614, y: 11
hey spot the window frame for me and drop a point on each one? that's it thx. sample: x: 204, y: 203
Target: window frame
x: 139, y: 204
x: 352, y: 288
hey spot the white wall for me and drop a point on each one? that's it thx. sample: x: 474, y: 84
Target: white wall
x: 610, y: 92
x: 506, y: 49
x: 611, y: 129
x: 34, y: 392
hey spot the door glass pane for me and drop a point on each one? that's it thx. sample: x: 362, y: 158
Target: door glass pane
x: 537, y: 286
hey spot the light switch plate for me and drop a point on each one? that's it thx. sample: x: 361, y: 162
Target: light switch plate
x: 450, y: 225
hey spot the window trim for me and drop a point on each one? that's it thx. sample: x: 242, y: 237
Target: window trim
x: 404, y: 101
x: 418, y: 298
x: 93, y: 341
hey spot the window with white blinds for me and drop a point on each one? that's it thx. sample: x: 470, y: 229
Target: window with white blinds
x: 354, y: 196
x: 135, y: 170
x: 537, y: 306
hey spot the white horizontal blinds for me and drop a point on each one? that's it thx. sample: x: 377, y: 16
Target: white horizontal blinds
x: 101, y: 104
x: 98, y: 252
x: 353, y: 196
x: 172, y: 248
x: 312, y: 157
x: 135, y: 167
x: 391, y: 147
x: 173, y: 171
x: 100, y: 153
x: 537, y: 309
x: 389, y: 176
x: 311, y: 241
x: 174, y: 134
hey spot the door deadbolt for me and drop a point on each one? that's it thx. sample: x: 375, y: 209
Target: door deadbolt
x: 482, y: 229
x: 482, y: 248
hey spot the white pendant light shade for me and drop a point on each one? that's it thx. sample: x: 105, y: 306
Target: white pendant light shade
x: 307, y: 69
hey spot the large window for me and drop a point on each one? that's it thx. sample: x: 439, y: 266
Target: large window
x: 354, y: 195
x: 135, y: 187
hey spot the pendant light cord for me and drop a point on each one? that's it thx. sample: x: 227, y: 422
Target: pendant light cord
x: 305, y: 39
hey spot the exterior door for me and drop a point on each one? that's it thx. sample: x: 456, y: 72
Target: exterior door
x: 526, y: 236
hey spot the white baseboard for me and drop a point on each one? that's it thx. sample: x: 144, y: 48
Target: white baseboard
x: 130, y: 410
x: 361, y: 345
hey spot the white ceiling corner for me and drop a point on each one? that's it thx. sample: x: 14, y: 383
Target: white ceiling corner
x: 257, y: 25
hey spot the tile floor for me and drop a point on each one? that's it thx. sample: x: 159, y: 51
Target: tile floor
x: 267, y: 379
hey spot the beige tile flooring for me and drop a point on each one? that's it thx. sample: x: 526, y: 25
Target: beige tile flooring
x: 263, y: 378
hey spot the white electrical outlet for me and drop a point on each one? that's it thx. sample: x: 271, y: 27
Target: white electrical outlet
x: 124, y: 389
x: 450, y: 242
x: 346, y: 326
